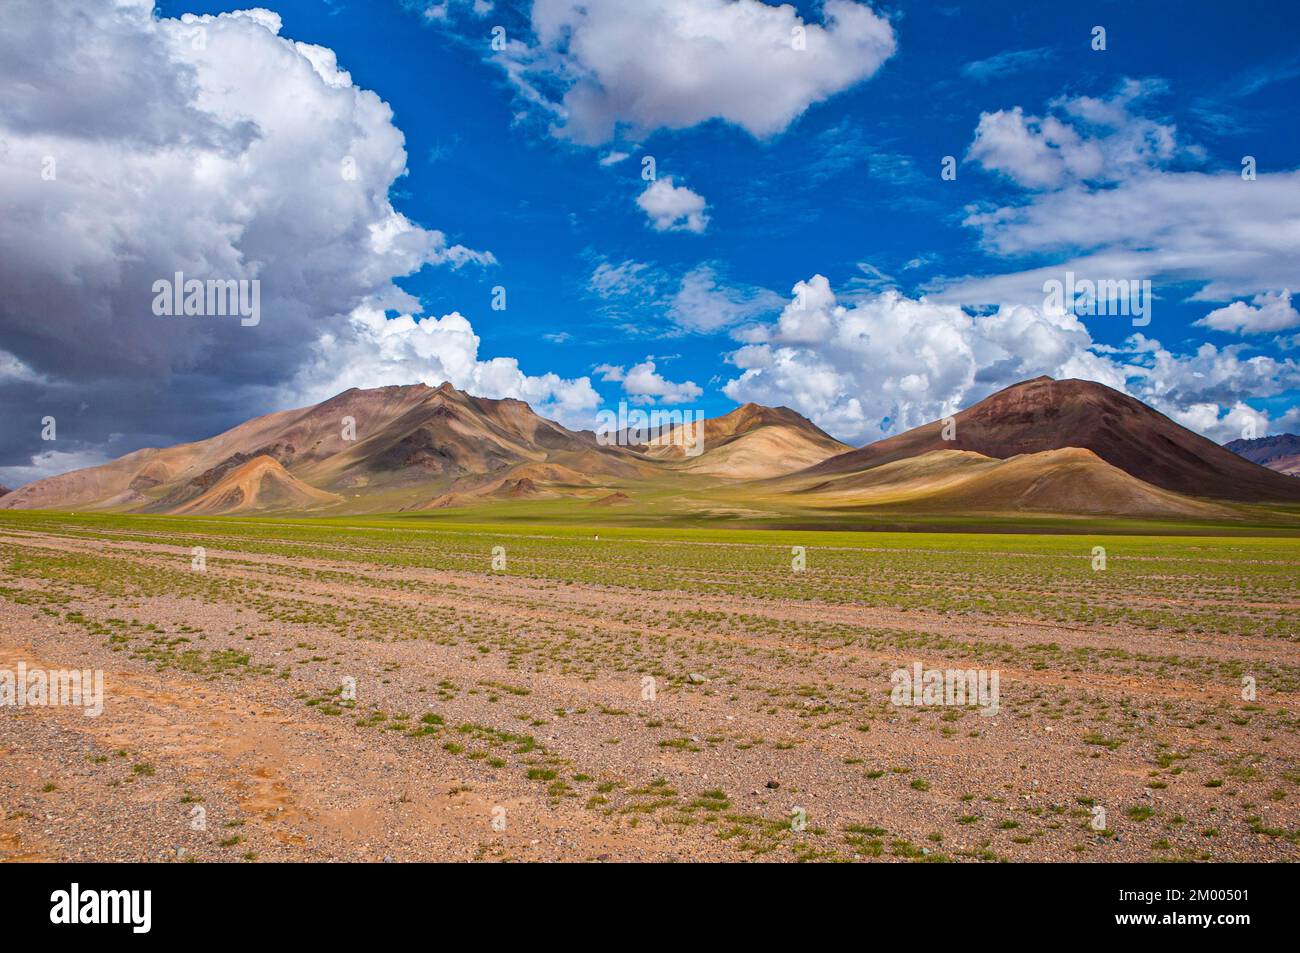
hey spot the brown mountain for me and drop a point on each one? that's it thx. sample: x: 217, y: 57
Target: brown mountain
x: 1288, y: 466
x: 258, y: 484
x: 1043, y: 446
x: 409, y: 443
x: 1068, y: 481
x: 1280, y: 452
x: 1045, y: 414
x: 525, y: 481
x: 416, y: 447
x: 749, y: 443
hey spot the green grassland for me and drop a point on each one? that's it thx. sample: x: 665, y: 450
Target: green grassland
x: 699, y: 503
x: 721, y: 514
x: 1235, y: 585
x: 1135, y: 668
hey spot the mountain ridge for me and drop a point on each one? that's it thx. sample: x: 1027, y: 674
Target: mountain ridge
x: 411, y: 446
x: 1072, y: 447
x: 1280, y: 452
x: 751, y: 442
x: 1046, y: 414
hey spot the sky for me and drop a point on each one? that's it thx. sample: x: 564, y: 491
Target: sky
x: 851, y: 209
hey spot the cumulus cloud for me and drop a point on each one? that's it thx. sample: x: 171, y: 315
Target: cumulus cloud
x: 603, y: 68
x: 885, y: 363
x: 1289, y: 422
x: 1094, y: 139
x: 891, y: 362
x: 133, y: 147
x: 643, y: 384
x: 673, y: 208
x: 1266, y: 312
x: 377, y: 350
x: 1223, y: 424
x: 646, y: 385
x: 1207, y: 375
x: 1034, y: 151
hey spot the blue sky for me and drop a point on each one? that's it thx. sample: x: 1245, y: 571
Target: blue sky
x: 1122, y: 163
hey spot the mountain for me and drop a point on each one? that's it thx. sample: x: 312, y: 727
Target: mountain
x: 1045, y: 414
x: 416, y: 447
x: 526, y: 481
x: 749, y: 443
x: 4, y: 490
x: 1280, y: 452
x: 1042, y: 446
x: 409, y: 443
x: 146, y: 477
x: 1066, y: 481
x: 258, y: 484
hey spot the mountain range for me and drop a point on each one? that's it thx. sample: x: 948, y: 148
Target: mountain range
x: 1280, y: 453
x: 1039, y: 447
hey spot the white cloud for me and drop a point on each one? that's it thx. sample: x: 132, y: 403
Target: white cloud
x: 1235, y: 237
x: 50, y: 463
x: 673, y: 208
x: 631, y: 68
x: 1103, y: 201
x: 1289, y: 422
x: 221, y: 149
x: 627, y: 277
x: 1102, y: 198
x: 1034, y: 151
x: 1223, y: 424
x: 1096, y: 140
x: 701, y: 300
x: 377, y: 351
x: 908, y: 361
x: 893, y: 357
x: 1267, y: 312
x: 704, y: 303
x: 645, y: 385
x: 244, y: 154
x: 441, y: 11
x: 1208, y: 374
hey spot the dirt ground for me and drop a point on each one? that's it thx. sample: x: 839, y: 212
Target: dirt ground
x: 271, y: 707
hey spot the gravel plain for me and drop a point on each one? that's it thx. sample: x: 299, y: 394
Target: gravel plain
x: 337, y: 708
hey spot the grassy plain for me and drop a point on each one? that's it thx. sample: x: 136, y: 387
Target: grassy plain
x: 520, y: 687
